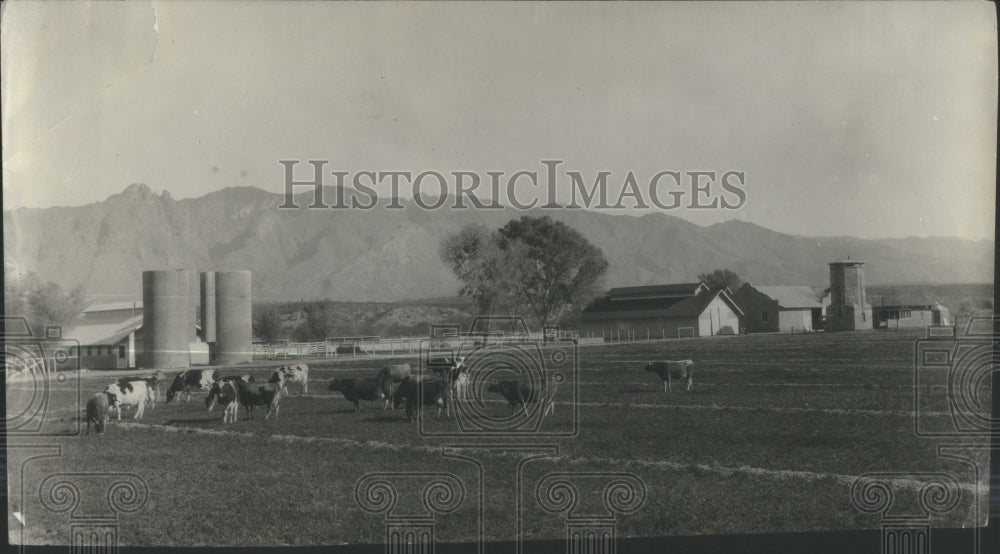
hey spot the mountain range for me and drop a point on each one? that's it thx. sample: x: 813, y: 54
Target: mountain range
x: 383, y: 254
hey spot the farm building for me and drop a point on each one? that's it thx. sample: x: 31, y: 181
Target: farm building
x: 784, y: 309
x: 661, y: 311
x: 108, y: 334
x: 891, y: 312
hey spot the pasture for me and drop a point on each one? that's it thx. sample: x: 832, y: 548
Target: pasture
x: 770, y: 439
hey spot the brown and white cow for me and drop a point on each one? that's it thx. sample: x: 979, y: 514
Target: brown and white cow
x: 667, y: 370
x: 250, y: 395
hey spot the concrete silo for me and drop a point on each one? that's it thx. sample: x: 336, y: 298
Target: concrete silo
x: 207, y: 294
x: 167, y: 318
x: 233, y: 317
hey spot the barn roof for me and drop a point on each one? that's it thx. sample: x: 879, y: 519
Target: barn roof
x: 792, y: 297
x: 904, y: 301
x: 677, y: 290
x: 99, y: 334
x: 113, y: 306
x: 663, y: 306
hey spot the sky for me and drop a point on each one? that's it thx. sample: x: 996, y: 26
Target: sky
x: 846, y: 118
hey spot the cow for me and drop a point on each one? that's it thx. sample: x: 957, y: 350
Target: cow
x: 216, y: 389
x: 519, y: 394
x: 356, y: 390
x: 131, y: 393
x: 192, y: 379
x: 151, y: 381
x: 267, y: 394
x: 97, y: 410
x: 413, y: 388
x: 676, y: 369
x: 228, y: 396
x: 389, y: 377
x: 295, y: 373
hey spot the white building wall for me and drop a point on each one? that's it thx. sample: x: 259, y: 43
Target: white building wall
x: 717, y: 315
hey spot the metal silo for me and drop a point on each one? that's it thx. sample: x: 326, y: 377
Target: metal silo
x: 166, y: 314
x: 233, y: 317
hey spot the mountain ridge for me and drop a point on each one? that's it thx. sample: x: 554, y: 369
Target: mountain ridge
x: 392, y: 254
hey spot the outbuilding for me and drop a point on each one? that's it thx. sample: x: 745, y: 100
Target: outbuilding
x: 779, y: 309
x: 661, y: 311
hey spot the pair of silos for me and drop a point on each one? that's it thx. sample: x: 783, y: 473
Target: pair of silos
x: 172, y: 300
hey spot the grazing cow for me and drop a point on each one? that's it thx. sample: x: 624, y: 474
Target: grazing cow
x: 132, y: 393
x: 413, y: 388
x: 519, y: 394
x: 295, y: 373
x: 151, y: 386
x: 267, y: 394
x: 216, y: 388
x: 192, y: 379
x: 389, y: 378
x: 356, y: 390
x: 677, y: 369
x: 228, y: 396
x: 97, y: 410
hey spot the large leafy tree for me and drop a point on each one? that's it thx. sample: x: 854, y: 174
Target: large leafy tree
x: 534, y: 265
x: 267, y: 322
x: 41, y: 303
x: 720, y: 279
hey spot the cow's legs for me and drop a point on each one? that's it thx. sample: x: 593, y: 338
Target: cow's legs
x: 140, y: 408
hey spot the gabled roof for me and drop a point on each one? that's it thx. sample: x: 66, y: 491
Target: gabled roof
x: 792, y: 297
x: 100, y: 334
x: 678, y: 290
x: 663, y: 306
x: 113, y: 306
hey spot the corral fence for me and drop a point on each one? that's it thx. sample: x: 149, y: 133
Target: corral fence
x: 375, y: 345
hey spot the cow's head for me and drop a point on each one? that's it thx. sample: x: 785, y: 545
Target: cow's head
x: 335, y: 385
x: 277, y: 377
x: 649, y: 366
x: 493, y: 387
x: 112, y: 398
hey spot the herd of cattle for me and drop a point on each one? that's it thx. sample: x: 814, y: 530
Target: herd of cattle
x: 393, y: 383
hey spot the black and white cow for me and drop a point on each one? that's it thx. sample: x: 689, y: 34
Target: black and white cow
x: 295, y: 373
x: 190, y: 380
x: 216, y: 388
x: 131, y: 393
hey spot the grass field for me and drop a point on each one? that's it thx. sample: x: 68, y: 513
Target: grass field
x: 770, y: 439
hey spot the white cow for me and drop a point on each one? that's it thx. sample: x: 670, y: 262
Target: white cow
x: 130, y: 393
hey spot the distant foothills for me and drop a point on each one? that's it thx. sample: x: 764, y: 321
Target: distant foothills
x: 385, y: 255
